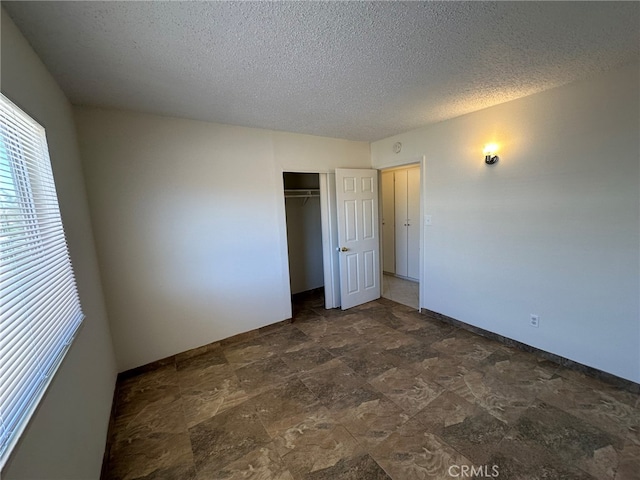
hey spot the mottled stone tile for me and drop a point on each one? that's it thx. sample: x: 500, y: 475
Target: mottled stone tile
x: 443, y: 370
x: 522, y: 369
x: 572, y: 440
x: 284, y: 339
x: 386, y: 302
x: 243, y: 354
x: 362, y: 467
x: 332, y: 380
x: 262, y: 463
x: 515, y: 460
x: 628, y: 462
x: 339, y: 342
x: 306, y: 356
x: 364, y: 325
x: 287, y: 400
x: 368, y: 415
x: 469, y: 348
x: 156, y: 387
x: 369, y: 306
x: 465, y: 426
x: 225, y: 438
x: 315, y: 327
x: 392, y: 318
x: 368, y: 362
x: 264, y: 373
x: 163, y: 416
x: 406, y: 388
x: 305, y: 314
x: 331, y: 314
x: 411, y: 353
x: 177, y: 472
x: 504, y: 401
x: 422, y: 327
x: 150, y: 455
x: 419, y: 395
x: 411, y: 452
x: 319, y: 449
x: 292, y: 431
x: 475, y: 436
x: 190, y: 377
x: 624, y: 390
x: 211, y: 397
x: 393, y: 340
x: 200, y: 358
x: 600, y: 407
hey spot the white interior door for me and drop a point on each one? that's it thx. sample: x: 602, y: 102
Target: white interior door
x: 358, y: 235
x: 402, y: 253
x: 388, y: 223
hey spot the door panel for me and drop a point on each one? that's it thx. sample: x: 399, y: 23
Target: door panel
x: 369, y: 269
x: 352, y: 273
x: 368, y: 219
x: 350, y: 221
x: 357, y: 200
x: 388, y: 223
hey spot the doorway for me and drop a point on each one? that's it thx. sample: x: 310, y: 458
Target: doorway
x: 401, y: 227
x: 304, y: 234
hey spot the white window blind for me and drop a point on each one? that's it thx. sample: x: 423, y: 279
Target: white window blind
x: 39, y: 306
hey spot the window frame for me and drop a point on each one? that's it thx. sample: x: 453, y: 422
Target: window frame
x: 40, y: 310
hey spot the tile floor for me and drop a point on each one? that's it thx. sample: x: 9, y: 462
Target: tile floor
x: 376, y: 392
x: 400, y: 290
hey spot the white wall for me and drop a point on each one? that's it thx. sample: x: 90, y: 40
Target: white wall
x: 190, y: 225
x: 66, y: 438
x: 552, y: 229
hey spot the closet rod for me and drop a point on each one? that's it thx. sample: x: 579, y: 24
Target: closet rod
x: 302, y: 193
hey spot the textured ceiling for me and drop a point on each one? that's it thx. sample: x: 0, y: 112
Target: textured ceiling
x: 357, y: 70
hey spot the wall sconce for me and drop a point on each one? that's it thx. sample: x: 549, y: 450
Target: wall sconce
x: 490, y: 156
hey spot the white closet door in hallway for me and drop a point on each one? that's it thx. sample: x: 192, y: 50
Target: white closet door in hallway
x: 388, y: 223
x: 407, y: 222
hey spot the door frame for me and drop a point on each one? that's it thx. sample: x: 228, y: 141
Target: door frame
x: 329, y: 222
x: 330, y: 255
x: 329, y: 214
x: 358, y: 187
x: 401, y: 164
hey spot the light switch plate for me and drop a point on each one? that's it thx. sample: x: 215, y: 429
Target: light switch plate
x: 427, y: 220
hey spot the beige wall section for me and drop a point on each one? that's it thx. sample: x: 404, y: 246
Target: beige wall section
x: 66, y: 437
x: 294, y: 152
x: 552, y: 229
x: 190, y: 225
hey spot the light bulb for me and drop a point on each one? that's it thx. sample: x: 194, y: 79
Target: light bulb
x: 490, y: 149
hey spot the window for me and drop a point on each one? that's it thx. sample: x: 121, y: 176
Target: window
x: 39, y: 305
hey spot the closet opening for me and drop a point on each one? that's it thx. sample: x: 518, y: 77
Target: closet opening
x: 400, y: 191
x: 304, y: 241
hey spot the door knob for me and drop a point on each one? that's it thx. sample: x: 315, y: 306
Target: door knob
x: 344, y: 249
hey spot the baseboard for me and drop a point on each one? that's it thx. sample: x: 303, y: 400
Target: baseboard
x: 614, y: 380
x: 104, y: 471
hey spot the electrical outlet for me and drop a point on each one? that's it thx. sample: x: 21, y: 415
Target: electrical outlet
x: 534, y: 320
